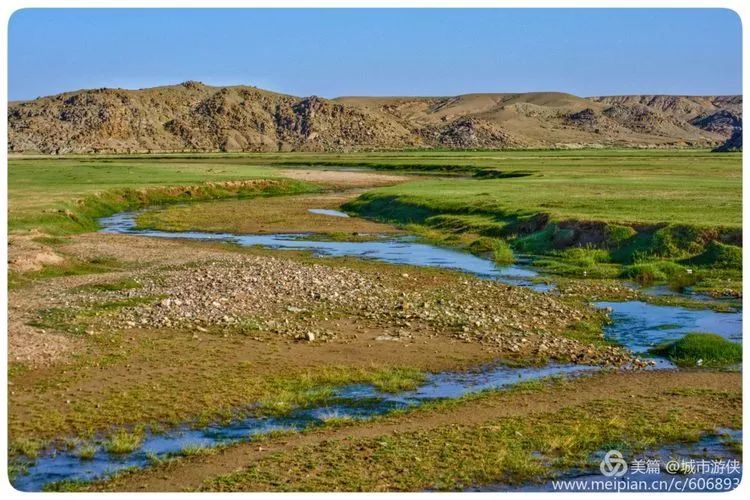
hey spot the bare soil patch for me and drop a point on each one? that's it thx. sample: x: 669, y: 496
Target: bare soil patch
x: 283, y: 214
x: 344, y: 179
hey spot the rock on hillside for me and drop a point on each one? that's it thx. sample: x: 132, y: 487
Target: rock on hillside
x: 196, y: 117
x: 733, y: 144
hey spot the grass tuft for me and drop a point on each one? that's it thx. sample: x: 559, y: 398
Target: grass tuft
x: 398, y: 379
x: 123, y: 442
x: 86, y: 452
x: 701, y: 349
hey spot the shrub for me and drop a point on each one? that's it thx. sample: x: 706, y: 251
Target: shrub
x: 701, y: 349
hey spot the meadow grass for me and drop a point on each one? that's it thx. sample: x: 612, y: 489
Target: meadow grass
x: 398, y: 379
x: 170, y: 403
x: 646, y: 216
x: 508, y: 450
x: 69, y: 267
x: 195, y: 450
x: 701, y: 349
x: 611, y: 186
x: 62, y: 196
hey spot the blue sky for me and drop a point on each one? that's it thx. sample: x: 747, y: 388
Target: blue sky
x: 379, y: 52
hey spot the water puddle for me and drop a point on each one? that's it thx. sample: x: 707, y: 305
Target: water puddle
x: 358, y: 401
x: 641, y: 326
x: 710, y: 465
x: 327, y: 211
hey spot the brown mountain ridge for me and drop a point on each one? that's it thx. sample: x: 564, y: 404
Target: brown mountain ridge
x: 195, y: 117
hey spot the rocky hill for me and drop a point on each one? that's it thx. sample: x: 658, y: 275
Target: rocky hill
x: 196, y: 117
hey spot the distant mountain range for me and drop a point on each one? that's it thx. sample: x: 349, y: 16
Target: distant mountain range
x: 195, y: 117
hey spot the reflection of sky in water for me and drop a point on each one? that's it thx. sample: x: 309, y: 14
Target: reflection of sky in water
x: 640, y: 326
x: 401, y: 250
x: 327, y: 211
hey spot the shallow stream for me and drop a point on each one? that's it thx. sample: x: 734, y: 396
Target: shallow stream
x: 635, y: 324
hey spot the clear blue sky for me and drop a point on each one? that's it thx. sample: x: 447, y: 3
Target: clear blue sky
x: 379, y: 52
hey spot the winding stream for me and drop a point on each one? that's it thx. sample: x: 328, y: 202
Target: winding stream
x: 635, y: 324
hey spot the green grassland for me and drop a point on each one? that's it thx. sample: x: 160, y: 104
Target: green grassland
x: 512, y: 450
x: 646, y: 215
x: 701, y: 349
x: 626, y: 186
x: 642, y: 215
x: 61, y: 196
x: 706, y: 193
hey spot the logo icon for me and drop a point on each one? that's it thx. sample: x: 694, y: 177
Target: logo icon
x: 613, y: 465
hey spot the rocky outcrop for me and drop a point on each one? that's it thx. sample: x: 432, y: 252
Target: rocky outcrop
x: 196, y: 117
x: 469, y: 133
x: 722, y: 121
x: 733, y: 144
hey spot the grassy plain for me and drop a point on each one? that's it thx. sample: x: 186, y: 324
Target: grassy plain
x: 60, y: 196
x: 681, y: 187
x: 481, y: 201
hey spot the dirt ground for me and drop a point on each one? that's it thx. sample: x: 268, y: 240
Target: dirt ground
x: 283, y: 214
x: 344, y: 179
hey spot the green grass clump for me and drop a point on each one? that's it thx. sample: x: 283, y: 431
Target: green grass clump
x: 123, y: 441
x: 500, y: 250
x: 585, y: 261
x: 86, y: 452
x: 701, y: 349
x: 65, y: 486
x: 587, y: 331
x: 719, y: 255
x: 502, y: 253
x: 617, y: 235
x: 29, y: 448
x: 398, y: 379
x: 585, y: 256
x: 317, y: 388
x: 646, y: 273
x: 677, y: 241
